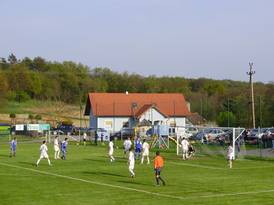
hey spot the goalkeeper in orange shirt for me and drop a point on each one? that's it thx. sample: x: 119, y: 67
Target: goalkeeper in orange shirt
x: 158, y: 165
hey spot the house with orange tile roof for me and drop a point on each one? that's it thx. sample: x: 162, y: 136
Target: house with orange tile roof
x: 113, y: 111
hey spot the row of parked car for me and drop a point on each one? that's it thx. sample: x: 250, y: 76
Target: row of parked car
x: 193, y: 133
x: 100, y: 133
x: 222, y: 135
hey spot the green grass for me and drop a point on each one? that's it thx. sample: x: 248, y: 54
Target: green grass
x: 18, y: 108
x: 203, y: 180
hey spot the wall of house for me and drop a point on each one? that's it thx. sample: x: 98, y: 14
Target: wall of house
x: 112, y: 124
x: 178, y: 121
x: 92, y: 120
x: 152, y: 115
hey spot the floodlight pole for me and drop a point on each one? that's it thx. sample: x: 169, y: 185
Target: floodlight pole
x: 251, y: 73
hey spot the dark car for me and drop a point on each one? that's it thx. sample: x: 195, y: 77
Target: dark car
x: 66, y: 129
x: 124, y: 133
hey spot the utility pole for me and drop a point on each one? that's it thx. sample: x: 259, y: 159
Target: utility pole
x: 251, y: 73
x: 228, y: 112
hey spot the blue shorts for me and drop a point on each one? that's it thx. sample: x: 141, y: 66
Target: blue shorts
x: 157, y: 171
x: 138, y: 150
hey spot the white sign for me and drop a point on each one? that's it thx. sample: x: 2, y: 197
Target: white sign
x: 19, y: 127
x: 33, y: 127
x: 108, y: 124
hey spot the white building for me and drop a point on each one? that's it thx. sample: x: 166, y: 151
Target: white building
x: 113, y: 111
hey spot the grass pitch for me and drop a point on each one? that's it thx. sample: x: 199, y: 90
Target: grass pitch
x: 87, y: 177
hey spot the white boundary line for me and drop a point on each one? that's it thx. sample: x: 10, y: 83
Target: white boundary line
x: 138, y: 190
x: 231, y: 194
x: 218, y: 168
x: 197, y: 165
x: 94, y: 182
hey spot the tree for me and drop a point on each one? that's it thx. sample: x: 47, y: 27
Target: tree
x: 3, y: 85
x: 12, y: 59
x: 31, y: 117
x: 226, y: 119
x: 13, y: 118
x: 38, y: 117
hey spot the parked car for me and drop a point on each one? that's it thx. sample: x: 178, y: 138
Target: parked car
x: 209, y: 134
x: 255, y: 134
x: 270, y: 131
x: 124, y: 133
x: 102, y: 134
x: 190, y: 131
x: 66, y: 129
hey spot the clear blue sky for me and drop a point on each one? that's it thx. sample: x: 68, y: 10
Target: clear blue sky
x: 190, y: 38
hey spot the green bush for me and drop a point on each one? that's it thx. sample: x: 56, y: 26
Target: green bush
x: 226, y: 119
x: 12, y: 115
x: 22, y: 96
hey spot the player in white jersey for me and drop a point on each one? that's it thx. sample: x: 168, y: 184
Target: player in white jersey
x: 185, y: 145
x: 230, y: 156
x: 127, y: 145
x: 145, y: 153
x: 84, y: 138
x: 110, y: 150
x: 56, y: 148
x: 43, y: 153
x: 131, y: 162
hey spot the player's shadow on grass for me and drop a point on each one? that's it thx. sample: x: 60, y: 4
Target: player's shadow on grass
x: 28, y: 163
x: 6, y: 156
x: 104, y: 174
x: 132, y: 182
x: 118, y: 160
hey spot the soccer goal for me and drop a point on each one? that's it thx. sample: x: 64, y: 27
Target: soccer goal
x: 211, y: 141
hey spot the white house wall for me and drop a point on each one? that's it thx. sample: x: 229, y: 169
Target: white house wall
x: 178, y: 121
x: 112, y: 124
x: 152, y: 115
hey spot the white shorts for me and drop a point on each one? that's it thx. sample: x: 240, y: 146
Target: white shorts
x: 230, y: 157
x: 110, y: 153
x: 131, y: 166
x: 56, y: 148
x: 145, y: 153
x: 44, y: 155
x: 185, y: 151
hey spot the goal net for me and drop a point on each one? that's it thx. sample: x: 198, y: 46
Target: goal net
x: 211, y: 141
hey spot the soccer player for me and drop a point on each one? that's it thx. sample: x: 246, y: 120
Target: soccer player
x: 110, y: 150
x: 138, y: 148
x: 158, y: 165
x: 191, y: 150
x: 230, y: 155
x: 145, y: 153
x: 56, y: 148
x: 85, y: 138
x: 127, y: 145
x: 131, y: 163
x: 64, y: 149
x: 13, y: 145
x: 185, y: 145
x: 43, y: 153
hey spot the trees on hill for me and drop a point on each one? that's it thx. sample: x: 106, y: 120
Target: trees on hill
x: 69, y: 82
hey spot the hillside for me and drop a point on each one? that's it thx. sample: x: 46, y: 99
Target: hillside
x: 221, y: 101
x: 50, y: 111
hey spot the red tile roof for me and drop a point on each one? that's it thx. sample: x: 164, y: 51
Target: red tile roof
x: 122, y: 104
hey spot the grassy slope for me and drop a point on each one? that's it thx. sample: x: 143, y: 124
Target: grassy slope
x: 49, y: 110
x: 18, y: 186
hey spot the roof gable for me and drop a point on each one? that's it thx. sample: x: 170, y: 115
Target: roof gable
x: 145, y: 108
